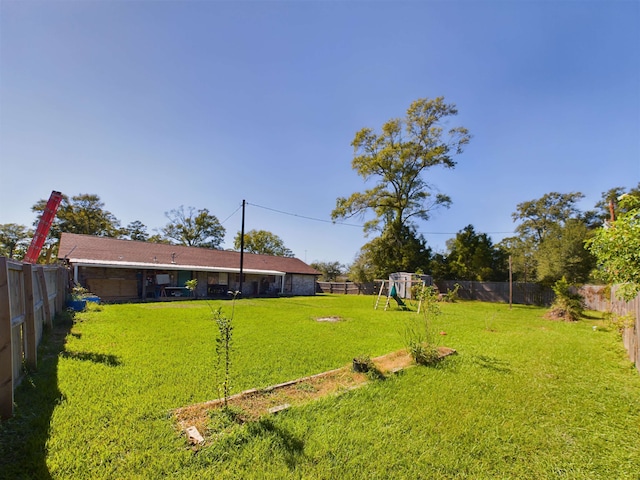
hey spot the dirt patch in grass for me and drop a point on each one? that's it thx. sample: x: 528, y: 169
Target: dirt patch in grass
x: 328, y: 319
x: 560, y: 315
x: 258, y: 402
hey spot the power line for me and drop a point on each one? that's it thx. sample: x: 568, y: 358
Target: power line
x: 236, y: 211
x: 304, y: 216
x: 349, y: 224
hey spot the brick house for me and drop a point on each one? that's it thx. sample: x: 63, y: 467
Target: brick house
x: 127, y: 270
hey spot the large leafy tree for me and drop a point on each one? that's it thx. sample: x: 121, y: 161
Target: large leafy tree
x: 262, y: 242
x: 396, y: 160
x: 158, y: 238
x: 608, y: 208
x: 330, y: 270
x: 552, y: 232
x: 396, y: 251
x: 563, y: 254
x: 538, y: 217
x: 361, y: 270
x: 14, y: 240
x: 522, y: 253
x: 617, y: 247
x: 84, y: 214
x: 194, y: 228
x: 136, y: 230
x: 472, y: 256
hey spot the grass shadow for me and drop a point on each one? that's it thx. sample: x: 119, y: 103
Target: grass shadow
x: 105, y: 359
x: 495, y: 364
x: 23, y: 437
x: 291, y: 447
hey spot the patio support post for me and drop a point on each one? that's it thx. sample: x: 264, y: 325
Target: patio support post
x: 242, y: 248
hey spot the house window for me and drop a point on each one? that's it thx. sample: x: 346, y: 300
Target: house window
x: 218, y: 278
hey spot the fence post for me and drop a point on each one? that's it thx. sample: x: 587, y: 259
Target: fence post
x: 42, y: 281
x: 31, y: 345
x: 637, y: 332
x: 6, y: 356
x: 60, y: 290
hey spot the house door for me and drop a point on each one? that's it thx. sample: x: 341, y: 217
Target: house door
x: 183, y: 277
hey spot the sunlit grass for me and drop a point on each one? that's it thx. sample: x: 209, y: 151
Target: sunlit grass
x: 524, y: 398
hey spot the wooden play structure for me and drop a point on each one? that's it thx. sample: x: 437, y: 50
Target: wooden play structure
x: 399, y: 287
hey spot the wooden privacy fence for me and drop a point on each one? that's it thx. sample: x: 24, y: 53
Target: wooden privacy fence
x: 30, y: 297
x: 523, y: 293
x: 604, y: 299
x: 346, y: 288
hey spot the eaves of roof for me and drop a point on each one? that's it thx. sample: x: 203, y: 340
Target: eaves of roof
x: 83, y: 262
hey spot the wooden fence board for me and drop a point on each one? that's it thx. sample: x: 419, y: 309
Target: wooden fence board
x: 522, y: 293
x: 42, y: 282
x: 30, y: 296
x: 604, y: 299
x: 6, y: 354
x: 345, y: 288
x: 31, y: 334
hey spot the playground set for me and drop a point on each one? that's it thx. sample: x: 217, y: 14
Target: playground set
x: 399, y: 287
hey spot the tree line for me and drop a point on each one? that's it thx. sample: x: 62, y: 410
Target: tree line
x: 86, y: 214
x: 553, y: 238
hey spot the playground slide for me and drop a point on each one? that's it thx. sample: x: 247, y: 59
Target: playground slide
x: 394, y: 295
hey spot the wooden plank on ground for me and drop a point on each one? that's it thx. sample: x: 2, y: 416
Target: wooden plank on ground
x: 279, y: 408
x: 193, y: 435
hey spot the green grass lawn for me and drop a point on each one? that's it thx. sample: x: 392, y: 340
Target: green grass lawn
x: 524, y: 398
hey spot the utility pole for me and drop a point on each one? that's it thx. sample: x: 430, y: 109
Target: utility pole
x: 612, y: 215
x: 242, y: 249
x: 510, y: 283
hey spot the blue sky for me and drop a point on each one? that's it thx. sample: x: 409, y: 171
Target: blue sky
x: 156, y: 104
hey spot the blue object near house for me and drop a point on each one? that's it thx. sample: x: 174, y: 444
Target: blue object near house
x: 77, y: 305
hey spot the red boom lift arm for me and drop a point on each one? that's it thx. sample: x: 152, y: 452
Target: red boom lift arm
x: 44, y: 225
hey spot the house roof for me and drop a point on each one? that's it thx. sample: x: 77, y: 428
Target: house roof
x: 89, y: 250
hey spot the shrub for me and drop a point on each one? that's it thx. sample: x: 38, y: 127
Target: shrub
x: 567, y: 305
x: 362, y: 363
x: 452, y: 295
x: 223, y: 352
x: 191, y: 285
x: 619, y: 322
x: 419, y: 338
x: 424, y: 353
